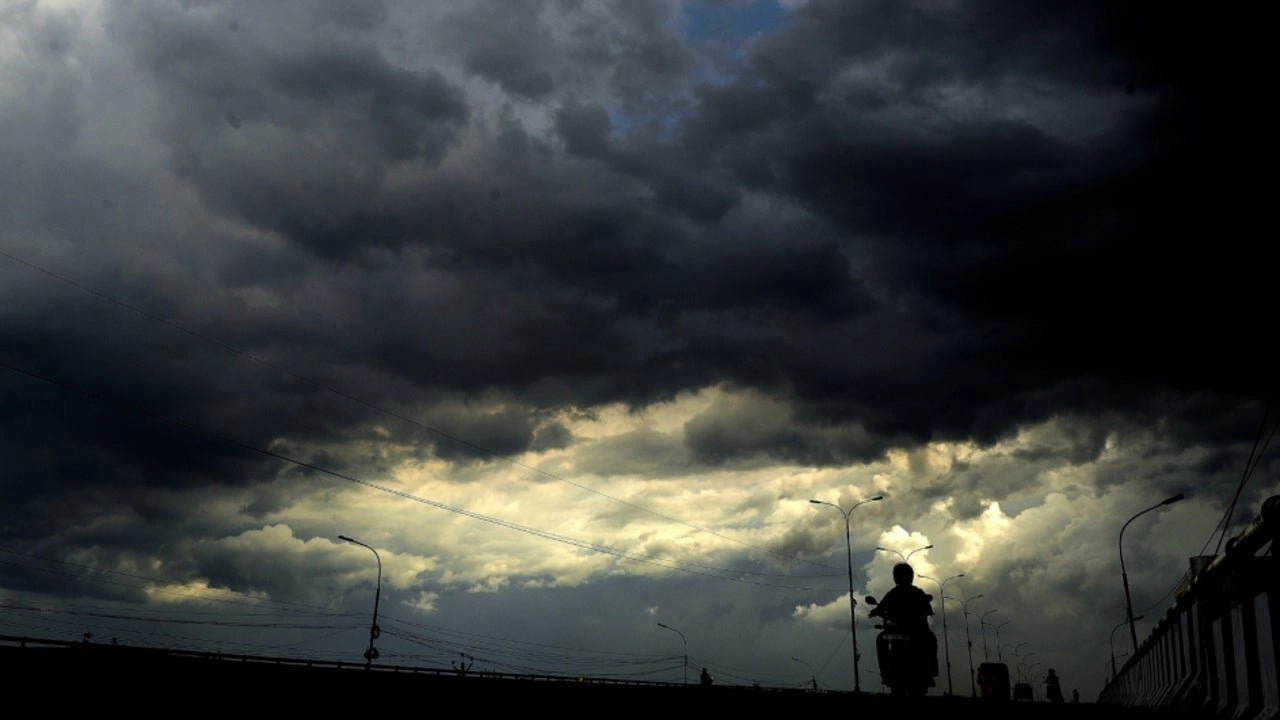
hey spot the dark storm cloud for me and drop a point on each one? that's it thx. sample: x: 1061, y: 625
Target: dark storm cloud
x: 1015, y: 247
x: 530, y: 49
x: 405, y: 242
x: 278, y: 564
x: 758, y: 430
x: 295, y: 139
x: 648, y: 60
x: 496, y: 433
x: 358, y: 14
x: 931, y: 279
x: 506, y: 43
x: 507, y: 70
x: 799, y: 542
x: 584, y: 129
x: 119, y: 421
x: 822, y: 224
x: 404, y: 107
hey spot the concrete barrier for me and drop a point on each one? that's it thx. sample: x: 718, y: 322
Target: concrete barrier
x: 1213, y: 654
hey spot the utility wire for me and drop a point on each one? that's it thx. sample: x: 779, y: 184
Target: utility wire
x: 436, y: 431
x: 1255, y: 456
x: 704, y: 570
x: 1224, y: 525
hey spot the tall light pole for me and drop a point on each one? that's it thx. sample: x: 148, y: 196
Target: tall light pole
x: 1018, y: 647
x: 982, y: 623
x: 686, y: 650
x: 946, y: 643
x: 374, y: 631
x: 1128, y: 603
x: 813, y: 676
x: 1025, y: 668
x: 853, y: 602
x: 999, y: 654
x: 964, y: 605
x: 1017, y: 664
x: 905, y: 558
x: 1112, y: 643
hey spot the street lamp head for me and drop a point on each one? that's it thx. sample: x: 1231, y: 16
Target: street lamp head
x: 919, y: 549
x: 1172, y: 500
x: 344, y: 537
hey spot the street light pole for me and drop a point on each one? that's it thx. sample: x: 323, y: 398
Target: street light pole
x: 982, y: 623
x: 1025, y: 668
x: 946, y: 643
x: 853, y: 602
x: 1017, y: 663
x: 371, y: 654
x: 999, y: 654
x: 964, y: 605
x: 813, y: 676
x: 686, y: 650
x: 1128, y: 603
x: 1018, y: 647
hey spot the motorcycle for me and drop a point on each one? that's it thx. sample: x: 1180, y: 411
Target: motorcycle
x: 907, y: 665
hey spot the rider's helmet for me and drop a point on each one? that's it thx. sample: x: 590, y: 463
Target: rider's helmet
x: 903, y: 574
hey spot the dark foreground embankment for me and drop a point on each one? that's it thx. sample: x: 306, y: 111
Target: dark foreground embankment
x: 144, y: 682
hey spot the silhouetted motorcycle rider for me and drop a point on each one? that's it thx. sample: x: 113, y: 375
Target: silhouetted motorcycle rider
x: 908, y: 607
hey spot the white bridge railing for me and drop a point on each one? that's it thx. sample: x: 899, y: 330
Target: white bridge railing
x: 1213, y: 654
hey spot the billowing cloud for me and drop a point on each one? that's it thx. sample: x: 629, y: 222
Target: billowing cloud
x: 568, y: 310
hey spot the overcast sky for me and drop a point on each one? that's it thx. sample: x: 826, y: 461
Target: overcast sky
x: 569, y: 308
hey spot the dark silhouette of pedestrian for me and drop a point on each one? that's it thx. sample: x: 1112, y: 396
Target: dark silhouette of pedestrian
x: 1052, y: 687
x: 462, y: 666
x: 705, y: 679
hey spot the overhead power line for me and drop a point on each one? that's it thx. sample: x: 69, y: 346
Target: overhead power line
x: 373, y: 406
x: 705, y: 570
